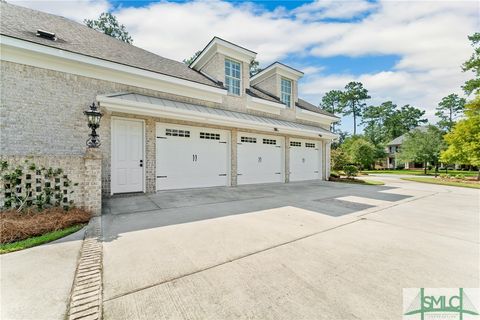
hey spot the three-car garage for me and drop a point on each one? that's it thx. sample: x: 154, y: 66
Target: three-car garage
x: 193, y: 157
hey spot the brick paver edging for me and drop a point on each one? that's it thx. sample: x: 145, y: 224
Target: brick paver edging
x: 86, y: 297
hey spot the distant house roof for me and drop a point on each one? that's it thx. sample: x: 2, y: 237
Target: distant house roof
x: 399, y: 140
x: 22, y: 23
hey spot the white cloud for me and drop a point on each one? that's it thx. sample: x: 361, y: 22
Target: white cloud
x: 73, y: 9
x: 335, y: 9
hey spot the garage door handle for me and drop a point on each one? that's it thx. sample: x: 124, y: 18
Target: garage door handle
x: 222, y: 142
x: 161, y: 176
x: 278, y: 173
x: 315, y: 171
x: 222, y: 174
x: 239, y: 174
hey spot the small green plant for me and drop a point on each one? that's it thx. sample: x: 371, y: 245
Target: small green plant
x: 27, y: 185
x: 350, y: 170
x: 460, y: 176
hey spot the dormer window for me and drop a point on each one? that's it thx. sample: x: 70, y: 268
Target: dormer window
x: 233, y: 76
x: 286, y: 92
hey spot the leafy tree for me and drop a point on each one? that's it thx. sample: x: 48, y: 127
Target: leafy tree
x: 332, y: 102
x: 338, y: 159
x: 342, y: 135
x: 359, y: 151
x: 108, y: 24
x: 375, y: 118
x: 352, y: 101
x: 473, y: 64
x: 448, y: 109
x: 254, y: 68
x: 190, y: 60
x: 464, y: 139
x: 423, y: 146
x: 403, y: 120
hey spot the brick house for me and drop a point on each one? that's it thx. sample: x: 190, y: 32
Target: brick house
x: 165, y: 125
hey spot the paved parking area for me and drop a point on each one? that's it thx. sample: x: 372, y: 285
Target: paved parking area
x: 307, y: 250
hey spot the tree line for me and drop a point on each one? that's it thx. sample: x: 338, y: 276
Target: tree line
x: 454, y: 139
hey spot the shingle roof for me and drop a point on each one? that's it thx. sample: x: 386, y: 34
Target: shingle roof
x: 258, y: 93
x: 310, y: 107
x: 399, y: 140
x: 22, y: 23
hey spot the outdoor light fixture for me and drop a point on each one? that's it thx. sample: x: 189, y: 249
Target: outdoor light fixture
x: 93, y: 118
x: 275, y: 129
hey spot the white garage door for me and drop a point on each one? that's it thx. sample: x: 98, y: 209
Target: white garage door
x: 191, y: 157
x: 260, y: 158
x: 305, y: 160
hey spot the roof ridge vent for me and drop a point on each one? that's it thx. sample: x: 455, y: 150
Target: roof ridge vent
x: 46, y: 35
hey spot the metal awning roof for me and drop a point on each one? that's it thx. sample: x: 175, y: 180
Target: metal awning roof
x: 142, y: 104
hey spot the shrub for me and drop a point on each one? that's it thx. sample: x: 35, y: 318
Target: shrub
x: 334, y: 175
x: 350, y: 170
x: 338, y: 159
x: 460, y: 176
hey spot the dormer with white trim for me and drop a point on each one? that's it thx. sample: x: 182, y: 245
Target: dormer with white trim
x: 280, y: 81
x: 227, y: 63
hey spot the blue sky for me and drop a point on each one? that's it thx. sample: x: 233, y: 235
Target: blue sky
x: 409, y: 52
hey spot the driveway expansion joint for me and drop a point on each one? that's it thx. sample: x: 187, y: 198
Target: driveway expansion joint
x: 86, y: 295
x: 231, y: 260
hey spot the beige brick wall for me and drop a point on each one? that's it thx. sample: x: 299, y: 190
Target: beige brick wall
x: 41, y: 114
x: 84, y: 171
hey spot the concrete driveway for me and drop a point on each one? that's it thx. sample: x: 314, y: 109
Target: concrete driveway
x: 312, y: 250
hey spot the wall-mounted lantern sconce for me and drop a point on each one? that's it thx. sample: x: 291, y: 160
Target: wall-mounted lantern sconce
x: 275, y: 129
x: 320, y: 135
x: 93, y: 118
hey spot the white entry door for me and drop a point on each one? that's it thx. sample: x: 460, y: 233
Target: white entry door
x: 191, y: 157
x: 305, y: 160
x: 260, y: 158
x: 127, y: 156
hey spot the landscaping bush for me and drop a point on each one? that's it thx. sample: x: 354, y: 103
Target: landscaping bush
x: 334, y: 175
x: 460, y: 176
x: 350, y: 171
x: 16, y: 226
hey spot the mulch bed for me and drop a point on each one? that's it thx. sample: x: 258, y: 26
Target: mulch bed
x: 351, y: 180
x: 16, y: 226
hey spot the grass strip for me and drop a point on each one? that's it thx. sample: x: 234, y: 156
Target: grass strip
x: 38, y: 240
x: 444, y: 183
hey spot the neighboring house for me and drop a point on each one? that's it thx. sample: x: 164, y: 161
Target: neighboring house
x: 165, y: 125
x: 393, y: 149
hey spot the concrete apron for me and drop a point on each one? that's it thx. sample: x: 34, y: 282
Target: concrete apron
x: 201, y: 245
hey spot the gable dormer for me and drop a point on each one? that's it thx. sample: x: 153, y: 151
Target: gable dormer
x: 279, y: 80
x: 227, y: 63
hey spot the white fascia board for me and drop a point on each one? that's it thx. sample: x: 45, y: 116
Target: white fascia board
x: 303, y: 114
x: 224, y: 47
x: 25, y: 52
x: 280, y: 69
x: 148, y: 109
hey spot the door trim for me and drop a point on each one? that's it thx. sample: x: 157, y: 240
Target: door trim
x: 112, y: 120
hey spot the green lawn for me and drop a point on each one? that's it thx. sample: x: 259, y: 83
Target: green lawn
x: 420, y: 172
x: 443, y: 182
x: 35, y: 241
